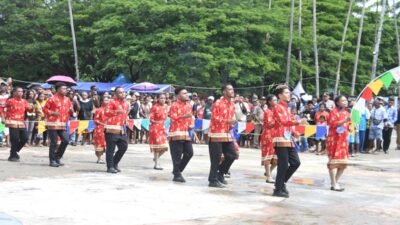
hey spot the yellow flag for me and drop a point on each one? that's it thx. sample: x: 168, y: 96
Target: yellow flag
x: 310, y: 130
x: 376, y: 86
x: 83, y: 125
x: 41, y: 127
x: 351, y: 129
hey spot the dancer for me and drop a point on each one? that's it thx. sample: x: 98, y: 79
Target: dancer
x: 99, y: 139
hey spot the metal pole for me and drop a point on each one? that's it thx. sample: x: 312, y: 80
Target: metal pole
x: 73, y: 39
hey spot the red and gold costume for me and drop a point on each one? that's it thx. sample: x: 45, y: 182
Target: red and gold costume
x: 115, y: 122
x: 223, y: 110
x: 267, y: 145
x: 284, y: 122
x: 61, y: 104
x: 99, y: 139
x: 157, y: 136
x: 337, y: 144
x: 179, y: 129
x: 15, y: 114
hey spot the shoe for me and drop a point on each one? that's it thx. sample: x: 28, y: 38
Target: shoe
x: 284, y: 189
x: 99, y: 161
x: 216, y: 184
x: 13, y: 159
x: 337, y: 188
x: 221, y: 179
x: 179, y: 178
x: 158, y: 168
x: 269, y: 181
x: 116, y: 167
x: 112, y: 170
x: 228, y: 175
x: 59, y: 162
x: 54, y: 164
x: 280, y: 193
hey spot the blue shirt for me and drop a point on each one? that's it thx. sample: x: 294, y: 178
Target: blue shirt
x: 391, y: 115
x: 363, y: 121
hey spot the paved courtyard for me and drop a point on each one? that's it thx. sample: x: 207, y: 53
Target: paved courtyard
x: 31, y: 193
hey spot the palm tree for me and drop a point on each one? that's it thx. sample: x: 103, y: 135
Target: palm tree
x: 289, y: 56
x: 315, y: 47
x: 396, y: 30
x: 378, y: 40
x: 269, y: 4
x: 342, y: 46
x: 360, y: 31
x: 300, y: 34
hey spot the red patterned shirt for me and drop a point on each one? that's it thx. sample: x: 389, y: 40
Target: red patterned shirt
x: 284, y: 122
x: 222, y: 111
x: 179, y: 129
x: 15, y: 114
x: 115, y: 122
x: 62, y: 105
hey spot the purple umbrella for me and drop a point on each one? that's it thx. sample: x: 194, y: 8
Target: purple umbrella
x: 61, y: 78
x: 145, y: 86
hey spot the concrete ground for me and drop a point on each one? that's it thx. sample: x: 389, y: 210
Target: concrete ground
x: 32, y: 193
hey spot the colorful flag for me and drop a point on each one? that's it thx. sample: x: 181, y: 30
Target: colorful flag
x: 310, y: 130
x: 73, y: 125
x: 130, y: 123
x: 387, y: 79
x: 355, y: 116
x: 396, y: 73
x: 91, y: 125
x: 83, y: 125
x: 322, y: 131
x: 300, y: 129
x: 206, y: 124
x: 41, y: 127
x: 376, y: 86
x: 367, y: 94
x: 241, y: 127
x: 360, y: 104
x: 249, y: 127
x: 198, y: 124
x: 138, y: 124
x: 146, y: 124
x: 2, y: 126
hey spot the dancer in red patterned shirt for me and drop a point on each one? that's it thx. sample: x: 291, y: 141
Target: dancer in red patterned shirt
x: 283, y: 141
x: 99, y: 139
x: 180, y: 143
x: 58, y: 110
x: 157, y: 135
x: 116, y: 113
x: 220, y: 136
x: 16, y: 107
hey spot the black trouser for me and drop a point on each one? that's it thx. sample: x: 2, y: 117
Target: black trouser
x: 18, y: 139
x: 181, y: 153
x: 113, y: 140
x: 216, y: 149
x: 285, y: 156
x: 387, y: 136
x: 54, y: 153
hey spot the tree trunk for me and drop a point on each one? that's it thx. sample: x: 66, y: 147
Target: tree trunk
x: 397, y: 31
x: 360, y: 31
x: 300, y: 34
x: 378, y: 40
x: 315, y: 47
x: 269, y: 4
x: 289, y: 56
x: 342, y: 47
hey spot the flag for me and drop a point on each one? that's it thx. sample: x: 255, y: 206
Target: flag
x: 300, y: 129
x: 396, y: 73
x: 387, y: 79
x: 356, y: 116
x: 167, y: 125
x: 236, y: 134
x: 241, y: 127
x: 146, y: 124
x: 322, y: 131
x: 249, y: 127
x: 83, y: 125
x: 2, y: 126
x: 206, y: 124
x: 360, y: 104
x: 73, y: 125
x: 41, y: 127
x: 198, y: 124
x: 310, y: 130
x: 367, y: 94
x: 376, y: 86
x: 130, y: 124
x: 91, y: 125
x: 138, y: 124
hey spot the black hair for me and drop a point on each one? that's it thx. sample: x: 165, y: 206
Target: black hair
x: 269, y: 98
x: 391, y: 99
x: 17, y: 87
x: 337, y: 99
x: 118, y: 87
x: 223, y: 88
x: 310, y: 102
x: 280, y: 88
x: 179, y: 89
x: 322, y: 104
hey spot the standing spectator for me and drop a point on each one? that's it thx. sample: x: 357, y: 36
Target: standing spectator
x: 365, y: 116
x: 329, y: 103
x: 398, y: 126
x: 309, y: 114
x: 195, y: 103
x: 145, y: 114
x: 391, y: 113
x: 85, y: 113
x: 321, y: 118
x: 30, y: 116
x: 74, y: 115
x: 40, y: 103
x: 200, y: 115
x: 378, y: 118
x: 315, y: 103
x: 241, y: 111
x: 259, y: 119
x: 133, y: 115
x: 207, y: 115
x: 93, y: 95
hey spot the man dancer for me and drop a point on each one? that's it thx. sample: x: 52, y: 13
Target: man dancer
x: 16, y: 107
x: 283, y: 141
x: 57, y: 111
x: 116, y: 113
x: 179, y: 138
x: 220, y: 137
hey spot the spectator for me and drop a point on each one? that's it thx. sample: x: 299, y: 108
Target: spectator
x: 86, y: 108
x: 378, y: 118
x: 133, y: 115
x: 259, y: 120
x: 391, y: 113
x: 329, y: 103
